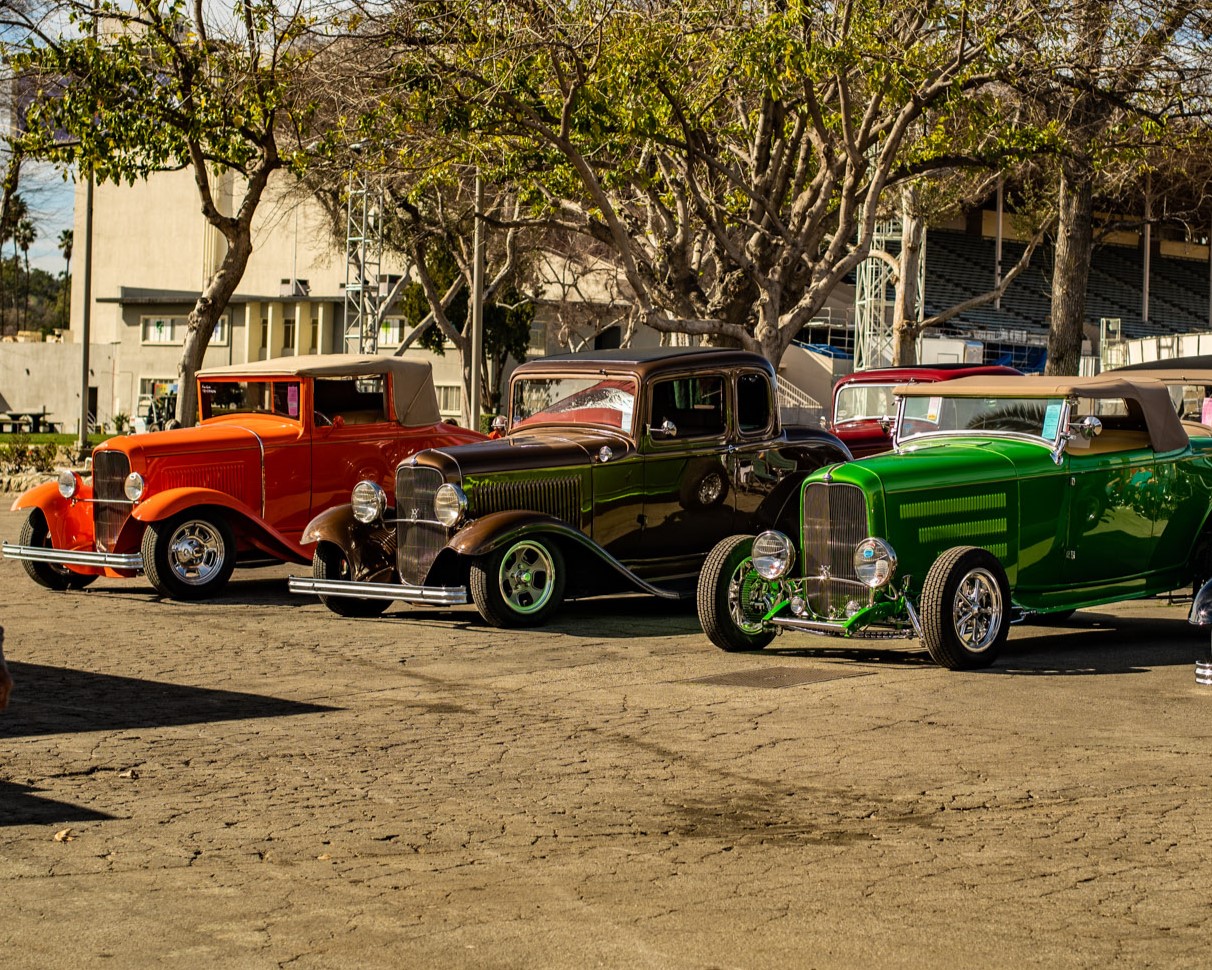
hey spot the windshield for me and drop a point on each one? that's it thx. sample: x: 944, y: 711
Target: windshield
x: 574, y: 400
x: 220, y: 398
x: 1038, y: 417
x: 855, y: 402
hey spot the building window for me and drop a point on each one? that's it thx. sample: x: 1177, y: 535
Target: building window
x: 450, y: 399
x: 288, y: 334
x: 172, y: 330
x: 391, y: 332
x: 538, y: 339
x: 162, y: 330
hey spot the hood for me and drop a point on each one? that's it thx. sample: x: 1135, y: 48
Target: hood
x: 948, y: 464
x: 225, y: 435
x: 524, y: 450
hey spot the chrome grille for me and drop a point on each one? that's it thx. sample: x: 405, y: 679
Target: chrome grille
x: 559, y: 497
x: 111, y: 507
x: 835, y: 521
x: 419, y: 536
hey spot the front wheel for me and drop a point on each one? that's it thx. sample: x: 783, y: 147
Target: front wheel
x: 329, y: 562
x: 35, y: 532
x: 521, y: 584
x: 965, y: 608
x: 190, y: 556
x: 733, y: 598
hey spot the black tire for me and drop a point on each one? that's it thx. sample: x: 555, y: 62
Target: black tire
x: 189, y: 556
x: 35, y: 532
x: 965, y: 608
x: 521, y: 584
x: 329, y: 562
x: 732, y: 598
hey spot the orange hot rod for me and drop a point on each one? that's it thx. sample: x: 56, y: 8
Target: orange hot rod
x: 278, y: 442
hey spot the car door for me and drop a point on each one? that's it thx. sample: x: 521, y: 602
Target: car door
x: 754, y: 467
x: 1113, y: 512
x: 354, y: 438
x: 684, y: 443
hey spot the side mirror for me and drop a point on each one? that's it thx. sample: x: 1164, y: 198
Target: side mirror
x: 500, y: 424
x: 1090, y: 427
x: 666, y: 428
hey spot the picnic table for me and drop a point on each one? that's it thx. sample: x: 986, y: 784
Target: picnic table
x: 26, y: 420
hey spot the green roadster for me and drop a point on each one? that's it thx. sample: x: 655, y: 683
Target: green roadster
x: 1003, y: 498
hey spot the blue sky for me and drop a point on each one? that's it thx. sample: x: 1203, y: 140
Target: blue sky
x: 51, y: 203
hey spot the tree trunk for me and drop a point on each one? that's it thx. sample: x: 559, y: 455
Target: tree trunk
x: 206, y: 313
x: 1074, y: 241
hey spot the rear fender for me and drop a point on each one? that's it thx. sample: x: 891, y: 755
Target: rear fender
x: 244, y: 522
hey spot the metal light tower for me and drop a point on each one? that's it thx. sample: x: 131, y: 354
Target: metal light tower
x: 363, y: 257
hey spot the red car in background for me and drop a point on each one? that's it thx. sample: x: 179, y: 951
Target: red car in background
x: 864, y: 406
x: 279, y: 441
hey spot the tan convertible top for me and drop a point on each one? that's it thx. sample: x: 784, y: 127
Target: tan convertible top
x: 1165, y: 430
x: 415, y: 400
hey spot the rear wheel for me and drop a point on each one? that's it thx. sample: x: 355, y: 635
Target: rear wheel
x: 733, y: 598
x: 521, y: 584
x: 965, y: 608
x: 190, y: 556
x: 329, y: 562
x: 35, y: 532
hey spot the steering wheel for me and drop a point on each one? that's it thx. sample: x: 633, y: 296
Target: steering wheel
x: 322, y: 420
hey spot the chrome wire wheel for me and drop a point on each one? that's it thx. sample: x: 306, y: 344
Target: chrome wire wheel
x: 749, y: 598
x: 526, y: 577
x: 976, y: 612
x: 197, y: 552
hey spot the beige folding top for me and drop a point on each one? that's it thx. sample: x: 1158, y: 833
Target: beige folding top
x: 1165, y: 430
x: 415, y: 400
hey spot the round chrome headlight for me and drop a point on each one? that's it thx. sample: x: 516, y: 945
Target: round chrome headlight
x: 874, y: 562
x: 368, y: 501
x: 449, y: 504
x: 68, y: 483
x: 133, y: 486
x: 772, y: 555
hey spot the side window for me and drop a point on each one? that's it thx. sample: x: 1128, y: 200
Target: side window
x: 753, y: 404
x: 356, y: 400
x: 694, y: 405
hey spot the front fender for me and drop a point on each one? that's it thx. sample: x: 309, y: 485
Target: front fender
x: 487, y: 534
x: 490, y: 532
x: 70, y: 520
x: 245, y: 521
x: 366, y: 547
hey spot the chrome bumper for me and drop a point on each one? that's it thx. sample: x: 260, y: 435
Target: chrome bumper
x: 838, y: 630
x: 74, y: 557
x: 432, y: 595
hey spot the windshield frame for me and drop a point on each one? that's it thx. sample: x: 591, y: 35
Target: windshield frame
x: 1055, y: 444
x: 865, y: 385
x: 301, y: 405
x: 552, y: 419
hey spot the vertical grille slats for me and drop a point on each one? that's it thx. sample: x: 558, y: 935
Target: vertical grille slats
x: 835, y: 521
x: 419, y: 536
x: 560, y: 497
x: 111, y: 507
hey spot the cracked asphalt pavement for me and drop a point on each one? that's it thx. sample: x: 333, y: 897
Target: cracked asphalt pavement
x: 255, y: 782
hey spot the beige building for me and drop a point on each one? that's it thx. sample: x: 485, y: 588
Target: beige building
x: 151, y: 254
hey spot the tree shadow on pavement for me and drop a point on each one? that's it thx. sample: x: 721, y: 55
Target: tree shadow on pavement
x: 60, y: 700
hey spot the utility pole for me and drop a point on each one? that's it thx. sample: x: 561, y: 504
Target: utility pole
x: 477, y: 308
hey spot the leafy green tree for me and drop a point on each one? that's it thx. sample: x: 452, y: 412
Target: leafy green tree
x: 733, y: 155
x: 154, y: 85
x: 1109, y: 80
